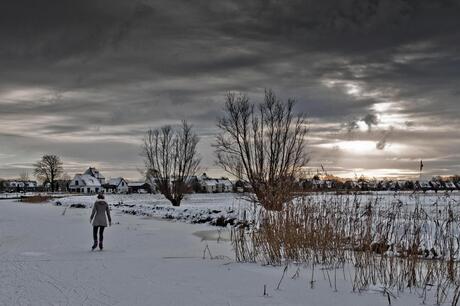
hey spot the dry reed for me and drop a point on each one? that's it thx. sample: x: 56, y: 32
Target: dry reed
x: 385, y: 240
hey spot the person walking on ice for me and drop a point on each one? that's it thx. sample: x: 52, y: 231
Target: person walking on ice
x: 99, y: 220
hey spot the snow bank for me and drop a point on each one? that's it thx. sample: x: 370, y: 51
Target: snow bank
x: 214, y: 209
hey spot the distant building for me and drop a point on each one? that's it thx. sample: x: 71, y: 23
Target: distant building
x: 208, y: 186
x: 213, y: 185
x: 317, y: 183
x: 91, y: 181
x: 85, y: 183
x: 402, y: 184
x: 140, y: 187
x: 19, y: 186
x: 423, y: 185
x: 435, y: 185
x: 96, y: 174
x: 224, y: 185
x: 363, y: 184
x: 449, y: 185
x: 116, y: 185
x: 328, y: 184
x: 242, y: 186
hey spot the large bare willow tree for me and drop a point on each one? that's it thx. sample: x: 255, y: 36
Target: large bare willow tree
x: 171, y: 158
x: 264, y: 145
x: 49, y: 169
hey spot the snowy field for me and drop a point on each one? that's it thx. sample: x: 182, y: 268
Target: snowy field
x: 401, y: 212
x: 45, y: 260
x: 17, y: 195
x: 233, y: 208
x: 214, y: 209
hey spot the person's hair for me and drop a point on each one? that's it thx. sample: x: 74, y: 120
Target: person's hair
x: 100, y: 196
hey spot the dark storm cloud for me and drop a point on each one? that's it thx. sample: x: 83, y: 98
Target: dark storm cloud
x: 78, y: 74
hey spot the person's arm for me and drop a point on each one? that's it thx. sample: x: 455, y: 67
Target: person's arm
x: 107, y: 210
x: 93, y: 212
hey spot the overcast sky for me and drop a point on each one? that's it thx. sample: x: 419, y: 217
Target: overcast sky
x: 378, y: 79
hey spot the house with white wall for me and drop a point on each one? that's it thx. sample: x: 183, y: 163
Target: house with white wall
x: 19, y: 185
x: 224, y: 185
x: 116, y: 185
x: 85, y: 183
x: 210, y: 185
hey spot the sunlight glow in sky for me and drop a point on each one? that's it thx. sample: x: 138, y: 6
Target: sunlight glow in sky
x: 363, y: 147
x: 379, y: 83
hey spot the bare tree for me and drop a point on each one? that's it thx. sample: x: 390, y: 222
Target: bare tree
x: 265, y: 145
x: 170, y: 159
x: 49, y: 169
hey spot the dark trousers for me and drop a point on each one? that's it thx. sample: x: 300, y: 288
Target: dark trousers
x: 101, y: 233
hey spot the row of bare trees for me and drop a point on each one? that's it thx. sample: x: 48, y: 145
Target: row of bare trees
x: 263, y: 145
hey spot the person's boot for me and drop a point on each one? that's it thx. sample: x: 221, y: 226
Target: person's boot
x: 100, y: 245
x: 94, y: 245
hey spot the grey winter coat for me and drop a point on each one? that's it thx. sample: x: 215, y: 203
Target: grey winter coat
x: 100, y: 208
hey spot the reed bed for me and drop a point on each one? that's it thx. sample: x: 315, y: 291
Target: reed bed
x: 35, y: 199
x: 387, y: 241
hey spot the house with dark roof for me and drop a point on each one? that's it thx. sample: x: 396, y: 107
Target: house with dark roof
x: 140, y: 187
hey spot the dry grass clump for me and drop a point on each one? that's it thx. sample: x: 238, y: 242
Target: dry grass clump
x: 386, y: 241
x: 35, y: 199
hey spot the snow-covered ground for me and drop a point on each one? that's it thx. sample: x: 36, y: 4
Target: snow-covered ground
x: 229, y: 208
x: 215, y: 209
x: 45, y: 260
